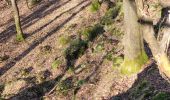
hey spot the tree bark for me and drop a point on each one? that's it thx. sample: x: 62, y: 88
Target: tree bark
x: 158, y: 50
x: 135, y: 55
x: 160, y: 57
x: 19, y: 35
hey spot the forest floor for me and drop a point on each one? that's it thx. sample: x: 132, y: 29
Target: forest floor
x: 56, y: 63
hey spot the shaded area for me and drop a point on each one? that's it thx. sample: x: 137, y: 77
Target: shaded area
x: 40, y: 90
x: 7, y: 66
x: 32, y: 18
x: 148, y: 86
x: 79, y: 46
x: 37, y: 91
x: 73, y: 52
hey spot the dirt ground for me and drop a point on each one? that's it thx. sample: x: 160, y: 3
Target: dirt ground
x: 26, y: 68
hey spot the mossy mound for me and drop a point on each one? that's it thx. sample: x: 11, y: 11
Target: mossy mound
x: 133, y: 66
x: 19, y: 37
x: 64, y: 40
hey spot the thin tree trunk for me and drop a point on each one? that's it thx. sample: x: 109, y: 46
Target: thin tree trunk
x: 164, y: 43
x: 135, y: 55
x: 17, y: 21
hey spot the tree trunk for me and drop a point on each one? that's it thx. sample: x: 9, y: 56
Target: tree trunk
x: 158, y: 50
x: 164, y: 43
x: 135, y: 55
x: 160, y: 56
x: 19, y: 35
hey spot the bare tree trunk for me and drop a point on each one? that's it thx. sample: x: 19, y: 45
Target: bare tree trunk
x: 158, y: 50
x: 19, y: 35
x: 160, y: 57
x: 135, y: 55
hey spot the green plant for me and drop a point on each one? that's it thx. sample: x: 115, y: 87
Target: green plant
x: 95, y: 5
x: 117, y: 61
x: 66, y: 85
x: 90, y: 33
x: 80, y: 83
x: 56, y: 64
x: 64, y: 40
x: 114, y: 30
x: 162, y: 96
x: 142, y: 91
x: 99, y: 48
x: 109, y: 16
x: 76, y: 49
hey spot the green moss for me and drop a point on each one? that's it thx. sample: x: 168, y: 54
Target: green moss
x: 162, y: 96
x: 109, y: 56
x: 92, y: 32
x: 133, y: 66
x: 76, y: 49
x: 114, y: 30
x: 80, y: 83
x: 95, y: 6
x: 56, y: 64
x: 19, y: 37
x: 98, y: 48
x: 64, y: 40
x: 66, y: 85
x: 117, y: 61
x: 70, y: 69
x: 85, y: 33
x: 112, y: 13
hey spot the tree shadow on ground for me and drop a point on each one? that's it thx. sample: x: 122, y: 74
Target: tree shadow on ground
x: 69, y: 10
x: 9, y: 65
x: 32, y: 18
x: 77, y: 49
x: 38, y: 91
x: 148, y: 84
